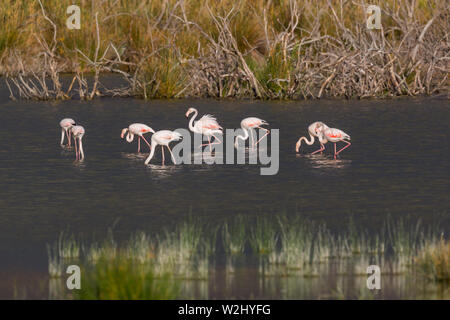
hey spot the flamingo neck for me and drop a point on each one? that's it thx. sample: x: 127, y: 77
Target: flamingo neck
x: 80, y: 145
x: 191, y: 122
x: 152, y: 152
x: 129, y: 136
x: 310, y: 142
x: 62, y: 136
x: 242, y: 137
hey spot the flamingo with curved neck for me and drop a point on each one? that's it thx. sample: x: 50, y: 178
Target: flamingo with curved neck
x: 247, y: 125
x: 66, y: 124
x: 138, y: 129
x: 206, y: 125
x: 78, y: 133
x: 314, y: 130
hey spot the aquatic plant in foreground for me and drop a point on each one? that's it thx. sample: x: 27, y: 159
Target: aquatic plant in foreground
x: 286, y: 246
x: 434, y: 261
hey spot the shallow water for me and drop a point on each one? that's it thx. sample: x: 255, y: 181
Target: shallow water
x: 397, y: 166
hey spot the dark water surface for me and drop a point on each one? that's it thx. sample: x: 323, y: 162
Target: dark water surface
x: 398, y: 165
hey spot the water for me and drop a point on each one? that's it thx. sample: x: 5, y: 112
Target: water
x: 397, y: 166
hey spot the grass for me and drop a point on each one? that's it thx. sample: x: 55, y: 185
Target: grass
x: 434, y: 261
x: 121, y: 278
x: 263, y: 236
x: 188, y: 48
x: 234, y: 235
x: 153, y: 266
x: 68, y: 246
x: 55, y: 265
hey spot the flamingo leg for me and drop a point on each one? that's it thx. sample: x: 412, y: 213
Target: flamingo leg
x: 267, y: 132
x: 216, y: 140
x: 70, y: 138
x: 348, y: 145
x: 146, y: 142
x: 67, y: 135
x: 208, y: 144
x: 162, y: 150
x: 335, y: 151
x: 139, y: 144
x: 171, y: 154
x: 251, y: 137
x: 322, y: 147
x: 76, y: 149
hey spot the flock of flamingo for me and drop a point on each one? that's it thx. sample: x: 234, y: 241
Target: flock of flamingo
x: 207, y: 126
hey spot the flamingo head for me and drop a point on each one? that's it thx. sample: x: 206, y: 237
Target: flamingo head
x: 124, y: 130
x: 236, y: 144
x: 320, y: 126
x: 190, y: 110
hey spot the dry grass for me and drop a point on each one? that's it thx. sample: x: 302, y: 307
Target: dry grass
x: 434, y: 261
x: 268, y: 49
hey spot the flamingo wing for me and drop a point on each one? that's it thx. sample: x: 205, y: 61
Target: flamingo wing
x: 209, y: 122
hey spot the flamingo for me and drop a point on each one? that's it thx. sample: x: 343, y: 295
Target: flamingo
x: 334, y: 135
x: 78, y: 133
x: 247, y: 125
x: 163, y: 138
x: 207, y: 125
x: 314, y: 130
x: 138, y: 129
x: 66, y: 124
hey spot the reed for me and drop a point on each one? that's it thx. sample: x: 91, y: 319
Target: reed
x: 121, y: 278
x: 263, y: 236
x: 55, y: 265
x: 107, y: 248
x: 234, y: 235
x: 434, y: 261
x: 154, y: 266
x: 68, y: 246
x: 284, y: 49
x: 140, y: 248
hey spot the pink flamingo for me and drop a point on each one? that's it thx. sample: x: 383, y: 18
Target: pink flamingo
x: 163, y: 138
x: 138, y: 129
x: 247, y: 125
x: 335, y: 135
x: 314, y: 130
x: 78, y: 133
x: 206, y: 125
x: 66, y: 124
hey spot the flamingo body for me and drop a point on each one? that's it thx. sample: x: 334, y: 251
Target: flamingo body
x: 163, y: 138
x: 65, y: 125
x: 335, y: 135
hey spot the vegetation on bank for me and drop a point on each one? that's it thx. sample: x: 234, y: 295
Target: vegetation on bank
x: 267, y: 49
x: 156, y: 266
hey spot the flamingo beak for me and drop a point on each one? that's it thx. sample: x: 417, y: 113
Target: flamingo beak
x: 297, y: 146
